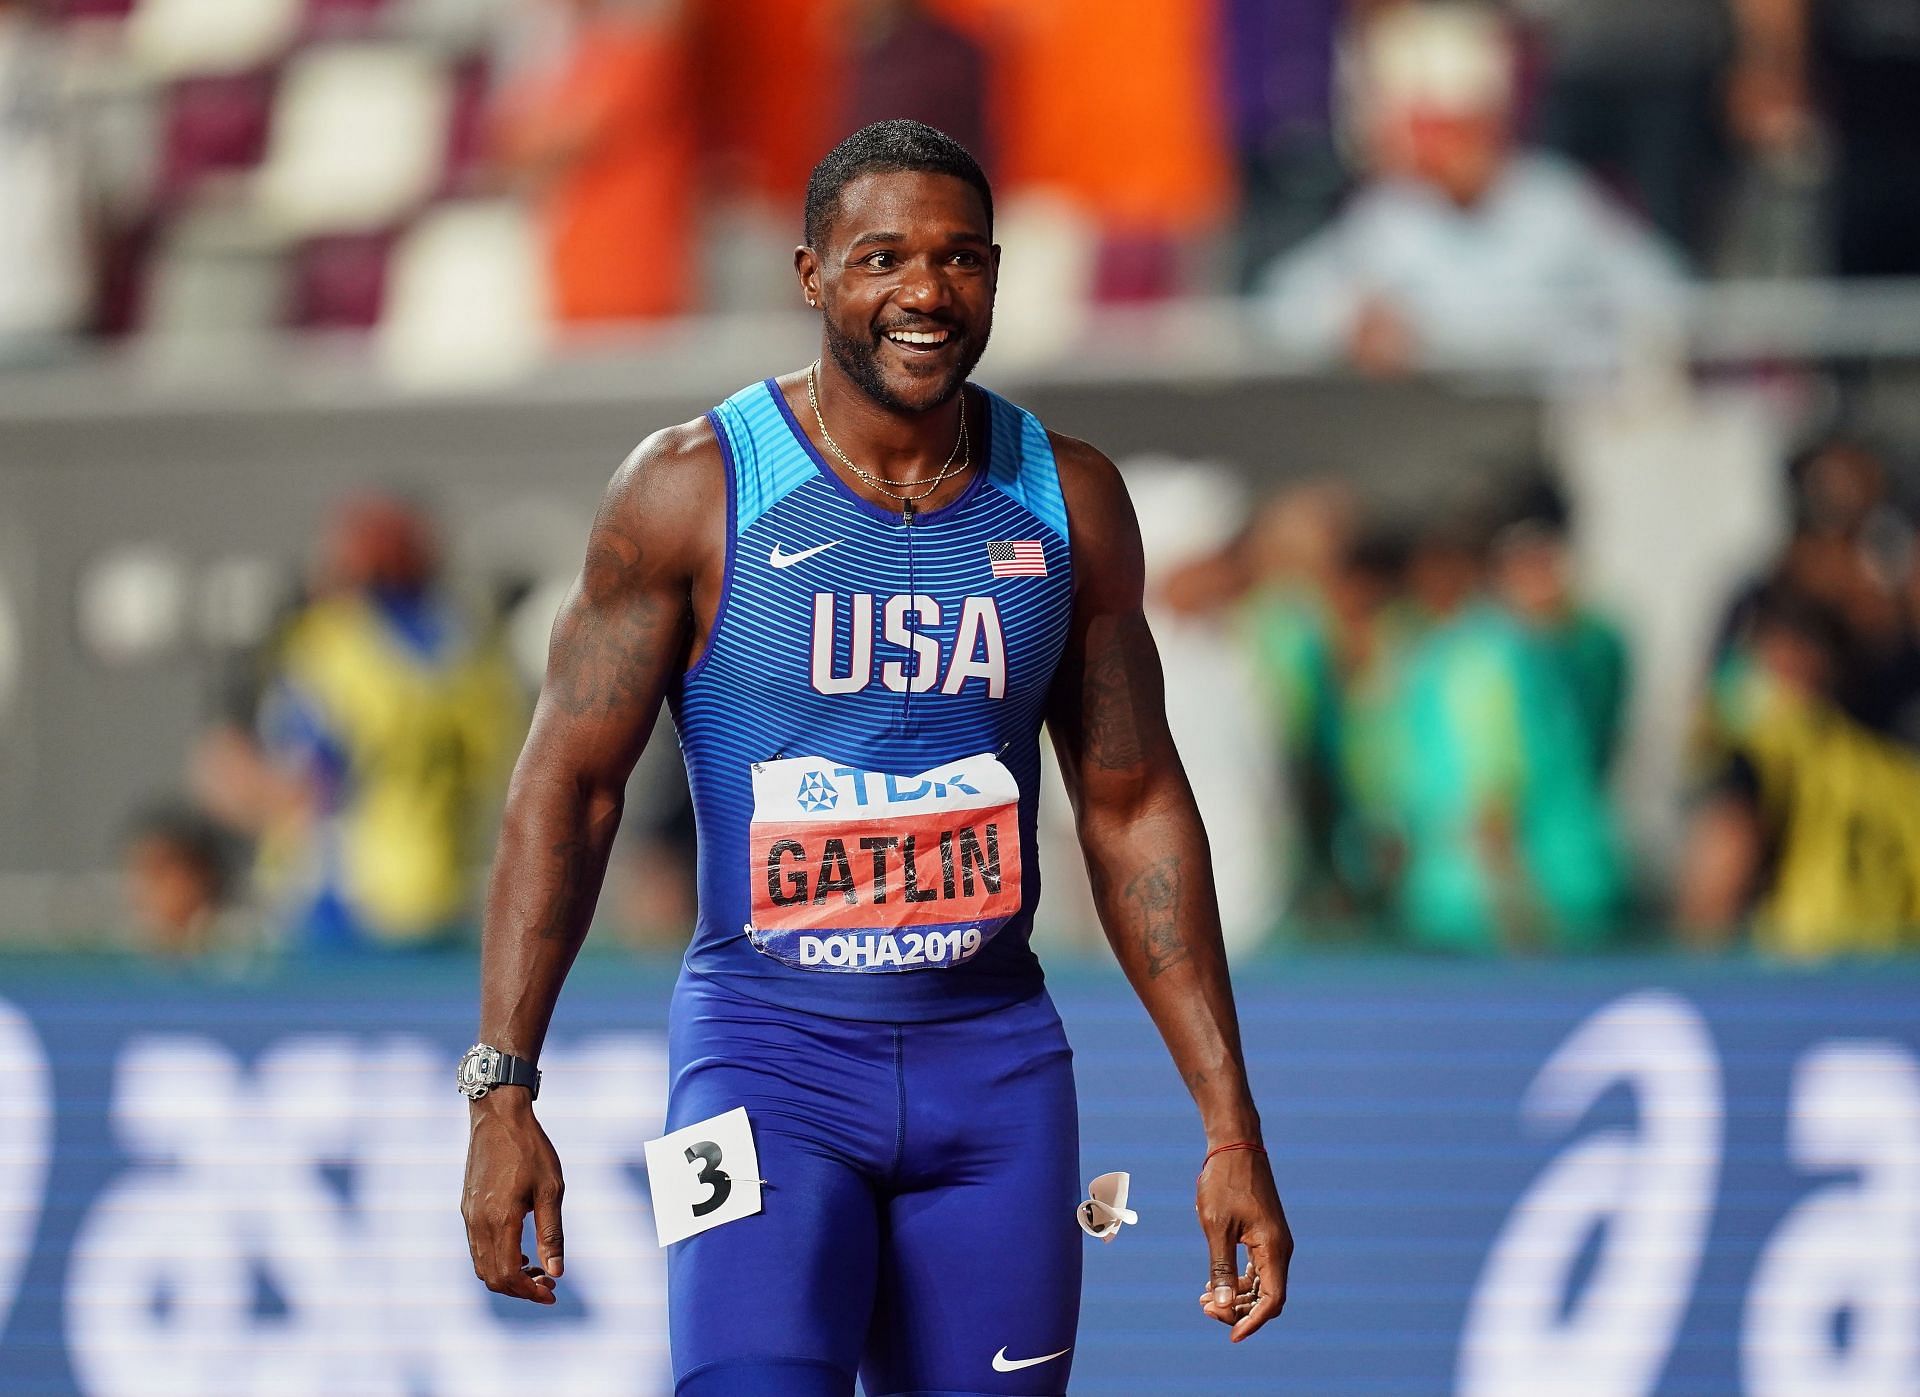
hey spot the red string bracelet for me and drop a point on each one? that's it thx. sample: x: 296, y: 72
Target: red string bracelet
x: 1236, y: 1145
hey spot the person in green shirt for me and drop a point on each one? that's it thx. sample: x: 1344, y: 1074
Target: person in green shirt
x: 1509, y: 841
x: 1533, y: 578
x: 1328, y: 658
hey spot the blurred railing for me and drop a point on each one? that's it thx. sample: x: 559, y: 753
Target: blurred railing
x: 1212, y: 340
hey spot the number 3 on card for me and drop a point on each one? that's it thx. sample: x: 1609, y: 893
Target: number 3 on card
x: 703, y: 1175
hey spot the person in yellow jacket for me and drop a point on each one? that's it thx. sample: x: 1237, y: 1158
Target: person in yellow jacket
x: 398, y: 719
x: 1811, y: 829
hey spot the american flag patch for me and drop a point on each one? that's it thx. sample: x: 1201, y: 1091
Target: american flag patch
x: 1019, y: 557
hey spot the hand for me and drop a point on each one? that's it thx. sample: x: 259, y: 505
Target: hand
x: 512, y: 1170
x: 1239, y: 1206
x: 1768, y: 106
x: 1380, y: 343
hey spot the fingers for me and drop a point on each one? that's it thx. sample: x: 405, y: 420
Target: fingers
x: 494, y: 1240
x: 1222, y: 1274
x: 1262, y: 1310
x: 546, y: 1230
x: 1246, y: 1291
x: 1268, y: 1266
x: 535, y: 1274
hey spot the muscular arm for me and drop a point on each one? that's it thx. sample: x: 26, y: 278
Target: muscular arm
x: 1147, y: 855
x: 618, y: 642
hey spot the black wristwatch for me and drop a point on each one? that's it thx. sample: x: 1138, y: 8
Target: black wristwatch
x: 483, y: 1068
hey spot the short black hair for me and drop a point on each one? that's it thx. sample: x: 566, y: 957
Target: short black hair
x: 884, y: 148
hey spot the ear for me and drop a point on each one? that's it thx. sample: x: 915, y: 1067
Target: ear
x: 806, y: 266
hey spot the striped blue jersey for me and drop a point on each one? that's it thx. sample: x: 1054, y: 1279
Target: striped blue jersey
x: 862, y: 730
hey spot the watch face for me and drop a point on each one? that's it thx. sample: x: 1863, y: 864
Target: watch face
x: 479, y: 1070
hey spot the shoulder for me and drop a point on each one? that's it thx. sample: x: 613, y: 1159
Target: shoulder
x: 324, y: 627
x: 1098, y: 505
x: 1105, y: 533
x: 1089, y: 479
x: 670, y: 489
x: 1544, y: 176
x: 1543, y: 186
x: 673, y: 463
x: 662, y: 522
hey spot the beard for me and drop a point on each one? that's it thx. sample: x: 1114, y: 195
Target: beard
x: 859, y: 359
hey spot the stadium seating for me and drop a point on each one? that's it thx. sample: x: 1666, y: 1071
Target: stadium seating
x: 175, y: 38
x: 359, y: 136
x: 213, y: 123
x: 212, y: 275
x: 338, y: 282
x: 466, y: 302
x: 333, y: 19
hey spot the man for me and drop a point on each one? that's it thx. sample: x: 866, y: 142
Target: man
x: 859, y: 657
x: 601, y: 141
x: 1459, y: 251
x: 1809, y: 826
x: 386, y: 730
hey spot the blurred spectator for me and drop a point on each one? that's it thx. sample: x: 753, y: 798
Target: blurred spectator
x: 177, y: 875
x: 770, y: 87
x: 1356, y: 746
x: 395, y: 720
x: 909, y: 62
x: 1328, y: 640
x: 1810, y: 824
x: 1629, y: 90
x: 603, y: 139
x: 1851, y: 552
x: 1858, y: 61
x: 1459, y: 251
x: 1509, y: 841
x: 1533, y: 578
x: 1114, y: 105
x: 43, y: 275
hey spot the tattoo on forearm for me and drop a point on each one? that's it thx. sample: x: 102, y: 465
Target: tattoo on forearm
x: 615, y: 637
x: 1154, y: 896
x: 569, y: 873
x: 1120, y: 698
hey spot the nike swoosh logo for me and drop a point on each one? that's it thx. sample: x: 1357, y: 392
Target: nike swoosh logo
x: 1004, y: 1364
x: 786, y: 560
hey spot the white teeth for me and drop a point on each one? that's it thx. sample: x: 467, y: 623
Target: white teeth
x: 916, y: 337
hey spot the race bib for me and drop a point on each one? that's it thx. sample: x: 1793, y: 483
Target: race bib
x: 703, y: 1175
x: 856, y: 870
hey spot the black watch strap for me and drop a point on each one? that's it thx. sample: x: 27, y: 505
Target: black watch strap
x: 518, y: 1072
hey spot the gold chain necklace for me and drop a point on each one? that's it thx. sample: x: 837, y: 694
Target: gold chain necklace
x: 960, y: 453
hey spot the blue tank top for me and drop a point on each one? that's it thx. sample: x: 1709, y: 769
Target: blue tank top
x: 862, y: 730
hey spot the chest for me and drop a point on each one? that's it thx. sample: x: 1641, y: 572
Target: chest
x: 828, y: 602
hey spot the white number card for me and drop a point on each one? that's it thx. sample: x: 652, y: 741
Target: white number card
x: 703, y: 1175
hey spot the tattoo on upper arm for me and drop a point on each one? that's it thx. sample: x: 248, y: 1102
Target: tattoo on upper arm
x: 616, y: 634
x: 1154, y: 896
x: 1120, y: 700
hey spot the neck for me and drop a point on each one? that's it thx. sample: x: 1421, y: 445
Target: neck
x: 901, y: 445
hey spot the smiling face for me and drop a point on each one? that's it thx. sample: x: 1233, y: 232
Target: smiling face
x: 905, y: 283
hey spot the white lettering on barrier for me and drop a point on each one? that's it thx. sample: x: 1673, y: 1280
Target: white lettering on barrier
x: 1651, y: 1189
x: 329, y: 1179
x: 1834, y: 1308
x: 26, y: 1142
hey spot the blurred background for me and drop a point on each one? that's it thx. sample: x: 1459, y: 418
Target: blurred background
x: 1520, y: 403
